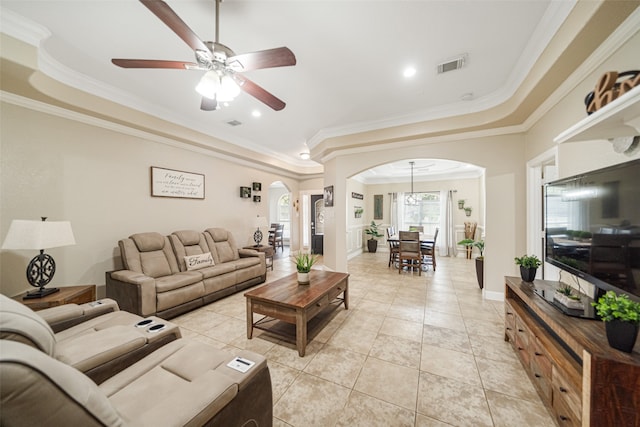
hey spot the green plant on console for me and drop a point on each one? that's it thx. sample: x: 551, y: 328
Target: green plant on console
x: 611, y: 306
x: 373, y: 230
x: 568, y: 292
x: 528, y: 261
x: 304, y: 261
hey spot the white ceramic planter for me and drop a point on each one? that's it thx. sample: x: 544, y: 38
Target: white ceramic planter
x: 303, y: 278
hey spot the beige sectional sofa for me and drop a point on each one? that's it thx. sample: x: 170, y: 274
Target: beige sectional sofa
x: 169, y: 275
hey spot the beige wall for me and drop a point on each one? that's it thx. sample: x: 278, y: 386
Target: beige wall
x: 99, y: 180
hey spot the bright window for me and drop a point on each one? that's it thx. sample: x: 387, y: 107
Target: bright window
x: 283, y: 214
x: 424, y: 212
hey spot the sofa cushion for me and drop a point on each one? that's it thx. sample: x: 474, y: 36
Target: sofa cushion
x: 217, y: 270
x: 147, y: 242
x: 196, y: 262
x: 224, y: 244
x: 19, y: 323
x: 178, y: 280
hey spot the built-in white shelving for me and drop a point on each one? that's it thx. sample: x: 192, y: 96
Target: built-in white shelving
x: 621, y: 117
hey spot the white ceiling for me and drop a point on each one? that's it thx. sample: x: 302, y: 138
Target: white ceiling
x: 350, y: 59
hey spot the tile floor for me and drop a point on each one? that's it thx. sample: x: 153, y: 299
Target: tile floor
x: 410, y: 351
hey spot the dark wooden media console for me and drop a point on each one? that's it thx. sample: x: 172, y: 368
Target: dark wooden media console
x: 582, y: 380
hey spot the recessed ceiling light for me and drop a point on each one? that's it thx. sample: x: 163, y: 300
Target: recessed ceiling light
x: 256, y: 113
x: 305, y: 155
x: 409, y: 72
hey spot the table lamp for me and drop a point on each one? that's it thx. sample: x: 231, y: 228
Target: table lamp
x: 28, y: 234
x: 259, y: 221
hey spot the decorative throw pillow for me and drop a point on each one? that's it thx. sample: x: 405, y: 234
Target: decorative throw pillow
x: 195, y: 262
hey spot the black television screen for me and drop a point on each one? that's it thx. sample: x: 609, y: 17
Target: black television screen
x: 592, y: 227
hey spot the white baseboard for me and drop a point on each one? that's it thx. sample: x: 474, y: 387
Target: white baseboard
x: 492, y: 295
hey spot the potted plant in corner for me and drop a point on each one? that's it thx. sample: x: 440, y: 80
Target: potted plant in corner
x: 479, y: 260
x: 621, y: 318
x: 304, y: 261
x: 372, y: 243
x: 528, y: 266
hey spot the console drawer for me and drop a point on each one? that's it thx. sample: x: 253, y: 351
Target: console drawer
x: 318, y: 306
x: 564, y: 416
x: 333, y: 293
x: 542, y: 359
x: 566, y: 396
x: 509, y: 321
x: 541, y: 381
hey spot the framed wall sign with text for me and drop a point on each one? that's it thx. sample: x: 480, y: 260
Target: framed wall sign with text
x: 175, y: 183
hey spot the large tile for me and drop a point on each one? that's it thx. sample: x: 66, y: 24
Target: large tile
x: 444, y: 320
x: 509, y: 411
x: 451, y: 364
x: 389, y: 382
x: 446, y: 338
x: 367, y: 411
x: 507, y: 378
x: 402, y: 328
x: 400, y: 351
x: 311, y: 401
x: 452, y: 401
x: 354, y: 339
x: 337, y: 365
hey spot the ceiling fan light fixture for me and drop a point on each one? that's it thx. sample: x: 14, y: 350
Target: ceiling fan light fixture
x: 229, y: 89
x: 209, y: 85
x: 305, y: 155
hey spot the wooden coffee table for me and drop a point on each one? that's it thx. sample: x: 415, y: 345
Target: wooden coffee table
x: 286, y: 300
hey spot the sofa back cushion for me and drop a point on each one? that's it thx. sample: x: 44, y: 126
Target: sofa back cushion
x: 148, y: 253
x: 39, y: 390
x: 223, y: 245
x: 188, y: 243
x: 19, y: 323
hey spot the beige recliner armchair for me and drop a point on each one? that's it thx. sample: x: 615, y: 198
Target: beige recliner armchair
x: 184, y: 383
x: 99, y: 347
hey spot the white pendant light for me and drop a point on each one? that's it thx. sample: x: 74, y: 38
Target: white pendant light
x: 229, y: 89
x: 411, y: 199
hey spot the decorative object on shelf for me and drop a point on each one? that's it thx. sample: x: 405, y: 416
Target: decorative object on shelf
x: 467, y: 210
x: 461, y: 204
x: 565, y: 296
x: 377, y: 206
x: 372, y: 243
x: 357, y: 210
x: 528, y: 266
x: 357, y: 196
x: 175, y: 183
x: 41, y: 235
x: 257, y: 199
x: 622, y: 319
x: 609, y: 87
x: 479, y: 260
x: 625, y: 144
x: 304, y: 261
x: 259, y: 222
x: 257, y: 186
x: 328, y: 196
x: 245, y: 192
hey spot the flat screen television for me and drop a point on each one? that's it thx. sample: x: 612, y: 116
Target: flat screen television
x: 592, y: 227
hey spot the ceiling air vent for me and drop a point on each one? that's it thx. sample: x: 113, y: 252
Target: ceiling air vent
x: 452, y: 64
x: 234, y: 123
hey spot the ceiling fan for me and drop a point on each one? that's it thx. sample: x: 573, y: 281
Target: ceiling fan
x: 223, y: 78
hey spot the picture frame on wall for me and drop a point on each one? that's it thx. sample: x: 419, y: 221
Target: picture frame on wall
x: 377, y: 206
x: 257, y: 199
x: 328, y: 196
x: 176, y: 183
x: 245, y: 192
x: 257, y: 186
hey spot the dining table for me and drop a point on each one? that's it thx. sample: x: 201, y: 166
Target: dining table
x: 425, y: 240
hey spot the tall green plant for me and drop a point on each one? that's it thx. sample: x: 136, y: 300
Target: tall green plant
x: 373, y: 230
x: 474, y: 243
x: 304, y: 261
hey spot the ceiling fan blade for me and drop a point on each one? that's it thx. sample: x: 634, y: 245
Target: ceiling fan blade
x: 277, y: 57
x: 259, y: 93
x: 154, y: 63
x: 208, y: 104
x: 173, y: 21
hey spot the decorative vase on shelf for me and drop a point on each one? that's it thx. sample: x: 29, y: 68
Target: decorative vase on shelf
x: 303, y: 278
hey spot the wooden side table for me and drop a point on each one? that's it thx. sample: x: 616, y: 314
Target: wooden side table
x: 268, y: 253
x: 66, y: 295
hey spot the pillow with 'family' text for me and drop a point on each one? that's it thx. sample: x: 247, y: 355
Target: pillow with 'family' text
x: 195, y: 262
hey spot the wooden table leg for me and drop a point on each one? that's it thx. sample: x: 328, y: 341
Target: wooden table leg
x: 301, y: 332
x: 249, y: 318
x: 345, y: 295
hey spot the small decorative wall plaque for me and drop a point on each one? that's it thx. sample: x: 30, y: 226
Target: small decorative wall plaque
x: 257, y: 199
x: 245, y: 192
x: 257, y: 186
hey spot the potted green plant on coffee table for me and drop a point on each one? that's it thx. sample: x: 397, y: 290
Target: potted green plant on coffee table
x: 621, y: 318
x: 528, y: 266
x: 372, y: 243
x: 304, y: 261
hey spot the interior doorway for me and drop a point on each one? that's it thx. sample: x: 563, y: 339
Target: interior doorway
x: 317, y: 223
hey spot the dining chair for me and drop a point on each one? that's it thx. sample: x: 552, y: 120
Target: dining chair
x: 429, y: 251
x: 278, y: 238
x: 394, y: 247
x: 409, y: 251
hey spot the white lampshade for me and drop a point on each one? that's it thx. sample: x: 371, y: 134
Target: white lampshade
x: 229, y: 89
x: 260, y: 222
x: 30, y: 234
x: 209, y: 85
